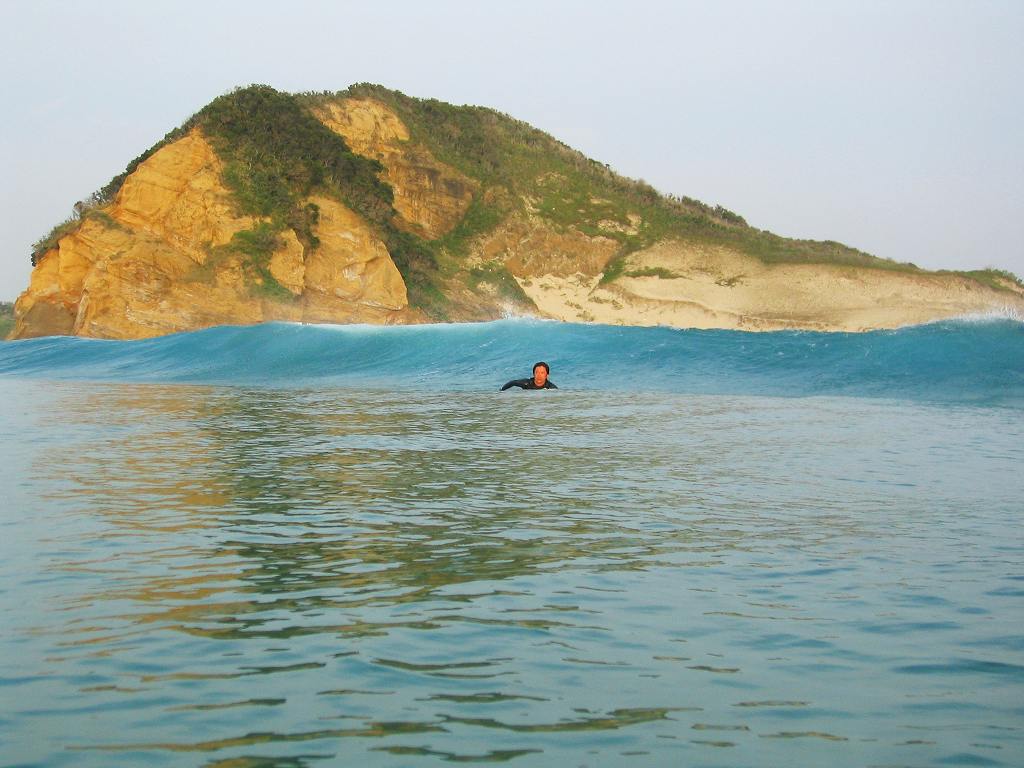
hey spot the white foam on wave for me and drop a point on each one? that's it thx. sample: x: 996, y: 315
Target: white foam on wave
x: 994, y: 315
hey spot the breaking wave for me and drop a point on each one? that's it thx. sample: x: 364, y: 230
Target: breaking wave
x: 969, y: 360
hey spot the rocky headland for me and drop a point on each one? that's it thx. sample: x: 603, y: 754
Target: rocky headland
x: 368, y: 206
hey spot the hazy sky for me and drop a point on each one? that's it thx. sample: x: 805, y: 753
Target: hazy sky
x: 895, y: 127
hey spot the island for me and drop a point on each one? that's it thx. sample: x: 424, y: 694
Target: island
x: 370, y: 206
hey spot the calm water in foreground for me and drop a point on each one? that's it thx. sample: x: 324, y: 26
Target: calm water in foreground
x: 236, y: 576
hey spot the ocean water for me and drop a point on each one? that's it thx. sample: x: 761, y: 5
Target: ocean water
x: 308, y: 546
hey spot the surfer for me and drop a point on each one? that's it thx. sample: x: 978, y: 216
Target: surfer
x: 539, y: 381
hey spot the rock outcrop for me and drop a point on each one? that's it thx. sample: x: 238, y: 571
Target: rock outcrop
x: 529, y: 247
x: 430, y: 197
x: 153, y: 263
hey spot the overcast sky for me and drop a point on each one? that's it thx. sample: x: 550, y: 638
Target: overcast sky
x: 895, y: 127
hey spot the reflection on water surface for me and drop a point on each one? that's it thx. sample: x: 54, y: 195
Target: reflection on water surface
x: 284, y: 577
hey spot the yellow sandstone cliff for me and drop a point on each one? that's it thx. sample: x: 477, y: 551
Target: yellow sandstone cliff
x: 145, y: 265
x: 431, y: 197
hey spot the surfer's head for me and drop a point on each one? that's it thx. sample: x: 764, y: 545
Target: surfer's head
x: 540, y: 373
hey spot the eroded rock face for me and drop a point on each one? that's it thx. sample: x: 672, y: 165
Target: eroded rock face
x: 431, y: 197
x: 177, y: 195
x: 144, y: 265
x: 288, y: 264
x: 40, y: 310
x: 352, y: 268
x: 529, y: 247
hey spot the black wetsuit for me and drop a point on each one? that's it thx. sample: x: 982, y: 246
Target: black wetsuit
x: 528, y: 384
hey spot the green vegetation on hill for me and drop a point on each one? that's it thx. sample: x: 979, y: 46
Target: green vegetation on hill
x: 992, y: 277
x: 505, y: 285
x: 276, y: 154
x: 6, y: 318
x: 256, y: 245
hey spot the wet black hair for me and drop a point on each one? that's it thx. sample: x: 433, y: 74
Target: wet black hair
x: 547, y: 368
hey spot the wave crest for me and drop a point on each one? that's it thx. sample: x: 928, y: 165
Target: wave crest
x: 974, y: 359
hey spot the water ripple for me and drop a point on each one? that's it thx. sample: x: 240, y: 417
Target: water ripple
x: 279, y: 577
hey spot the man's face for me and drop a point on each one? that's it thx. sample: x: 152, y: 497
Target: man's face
x: 540, y: 375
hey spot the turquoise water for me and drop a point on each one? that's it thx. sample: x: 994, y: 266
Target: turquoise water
x: 292, y: 546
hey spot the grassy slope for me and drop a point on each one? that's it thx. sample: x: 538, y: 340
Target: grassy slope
x: 276, y: 154
x: 6, y: 318
x: 570, y: 189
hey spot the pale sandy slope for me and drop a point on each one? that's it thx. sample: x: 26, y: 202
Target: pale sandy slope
x: 714, y: 287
